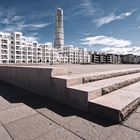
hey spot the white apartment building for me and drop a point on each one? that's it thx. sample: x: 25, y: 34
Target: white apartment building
x: 105, y: 58
x: 5, y: 47
x: 16, y: 48
x: 75, y: 55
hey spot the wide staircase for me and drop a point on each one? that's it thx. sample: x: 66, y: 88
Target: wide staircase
x: 112, y: 95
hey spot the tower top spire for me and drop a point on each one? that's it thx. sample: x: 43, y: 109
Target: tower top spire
x: 59, y: 8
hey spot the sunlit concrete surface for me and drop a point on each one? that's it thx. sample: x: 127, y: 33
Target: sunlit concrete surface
x: 26, y: 116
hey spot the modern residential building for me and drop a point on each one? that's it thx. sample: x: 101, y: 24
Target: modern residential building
x: 75, y: 54
x: 105, y: 58
x: 16, y: 48
x: 130, y: 59
x: 5, y: 49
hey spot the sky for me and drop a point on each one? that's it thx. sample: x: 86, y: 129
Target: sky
x: 111, y: 26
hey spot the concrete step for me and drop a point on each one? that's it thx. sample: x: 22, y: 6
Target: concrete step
x: 79, y: 95
x: 116, y: 105
x: 75, y: 79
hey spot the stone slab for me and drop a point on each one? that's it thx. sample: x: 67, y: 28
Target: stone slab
x: 89, y: 130
x: 133, y: 87
x: 124, y: 133
x: 61, y: 117
x: 4, y: 105
x: 116, y: 105
x: 4, y: 134
x: 118, y: 99
x: 104, y: 83
x: 15, y: 113
x: 30, y: 127
x: 133, y: 121
x: 75, y: 79
x: 82, y: 93
x: 138, y: 110
x: 59, y: 134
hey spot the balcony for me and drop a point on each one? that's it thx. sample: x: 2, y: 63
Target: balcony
x: 18, y: 57
x: 4, y: 46
x: 18, y: 52
x: 4, y: 57
x: 4, y: 41
x: 18, y: 48
x: 4, y: 52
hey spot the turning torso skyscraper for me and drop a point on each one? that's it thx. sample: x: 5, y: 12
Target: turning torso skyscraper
x: 59, y: 30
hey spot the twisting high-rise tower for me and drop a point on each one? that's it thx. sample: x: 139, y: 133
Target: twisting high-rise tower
x: 59, y: 30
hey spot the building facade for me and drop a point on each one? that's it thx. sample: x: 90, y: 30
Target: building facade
x: 16, y: 48
x: 130, y: 59
x: 75, y: 55
x: 105, y: 58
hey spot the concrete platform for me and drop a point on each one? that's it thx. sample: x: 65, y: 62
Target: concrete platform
x: 39, y: 118
x: 72, y: 88
x: 116, y: 105
x: 75, y: 79
x: 82, y: 93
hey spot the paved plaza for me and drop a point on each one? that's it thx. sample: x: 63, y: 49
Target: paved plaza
x: 84, y: 68
x: 27, y: 116
x: 80, y: 69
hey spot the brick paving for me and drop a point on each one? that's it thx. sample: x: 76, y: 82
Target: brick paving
x: 26, y: 116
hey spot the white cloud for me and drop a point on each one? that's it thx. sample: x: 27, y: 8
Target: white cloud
x: 21, y: 26
x: 86, y: 34
x: 87, y: 5
x: 125, y: 50
x: 85, y: 8
x: 12, y: 20
x: 32, y: 38
x: 17, y: 18
x: 105, y: 40
x: 112, y: 17
x: 33, y: 26
x: 42, y: 25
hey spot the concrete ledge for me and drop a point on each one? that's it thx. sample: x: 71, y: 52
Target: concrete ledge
x: 75, y: 79
x: 77, y: 99
x: 33, y: 78
x: 81, y: 94
x: 116, y: 105
x: 104, y: 112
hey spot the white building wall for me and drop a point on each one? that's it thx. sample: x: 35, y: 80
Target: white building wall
x: 15, y: 48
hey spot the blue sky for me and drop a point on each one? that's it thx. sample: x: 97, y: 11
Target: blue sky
x: 100, y: 25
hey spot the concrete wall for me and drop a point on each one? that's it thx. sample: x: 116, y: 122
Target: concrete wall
x: 35, y: 79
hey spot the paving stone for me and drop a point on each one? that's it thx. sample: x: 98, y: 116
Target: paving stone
x: 59, y: 134
x: 124, y: 133
x: 30, y: 127
x: 4, y: 105
x: 15, y: 113
x: 89, y: 130
x: 138, y: 110
x: 3, y: 134
x: 133, y: 121
x: 61, y: 117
